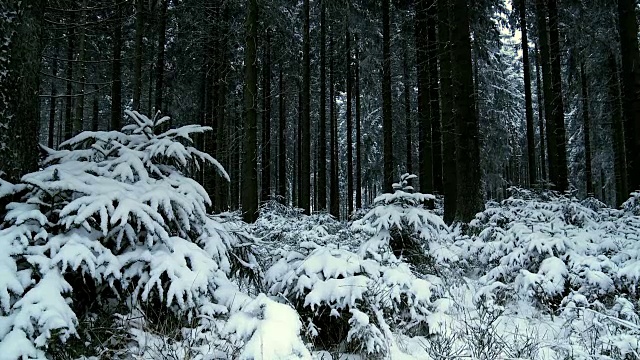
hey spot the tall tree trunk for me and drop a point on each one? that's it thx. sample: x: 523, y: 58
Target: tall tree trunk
x: 349, y: 120
x: 545, y: 63
x: 298, y: 176
x: 162, y: 36
x: 19, y: 86
x: 425, y: 150
x: 266, y: 120
x: 358, y: 126
x: 322, y: 126
x: 52, y: 102
x: 467, y: 140
x: 446, y: 102
x: 628, y: 27
x: 562, y: 181
x: 586, y: 129
x: 116, y: 71
x: 249, y: 160
x: 531, y: 142
x: 137, y: 61
x: 96, y: 109
x: 434, y: 104
x: 305, y: 169
x: 620, y: 162
x: 407, y: 110
x: 387, y: 126
x: 282, y: 141
x: 543, y: 162
x: 68, y: 116
x: 78, y: 119
x: 334, y: 192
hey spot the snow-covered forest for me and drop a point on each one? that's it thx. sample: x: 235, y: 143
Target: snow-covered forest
x: 326, y: 179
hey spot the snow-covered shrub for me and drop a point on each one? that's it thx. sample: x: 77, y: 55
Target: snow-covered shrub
x: 344, y: 298
x: 575, y: 259
x: 400, y: 227
x: 110, y: 211
x: 632, y: 205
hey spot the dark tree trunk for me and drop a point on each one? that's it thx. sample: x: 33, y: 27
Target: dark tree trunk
x: 249, y: 159
x: 467, y: 141
x: 407, y: 111
x: 298, y: 176
x: 545, y: 63
x: 562, y: 181
x: 95, y: 120
x: 53, y: 100
x: 266, y: 120
x: 68, y: 111
x: 137, y: 61
x: 19, y: 87
x: 349, y: 121
x: 434, y: 103
x: 358, y: 127
x: 531, y: 142
x: 446, y: 103
x: 116, y: 72
x: 387, y: 128
x: 305, y: 169
x: 620, y: 163
x: 322, y: 126
x: 425, y: 150
x: 334, y: 192
x: 162, y: 37
x: 282, y: 141
x: 628, y: 27
x: 586, y: 131
x: 78, y: 119
x: 543, y: 162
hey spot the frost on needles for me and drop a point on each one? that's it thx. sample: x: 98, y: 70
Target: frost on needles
x: 113, y: 212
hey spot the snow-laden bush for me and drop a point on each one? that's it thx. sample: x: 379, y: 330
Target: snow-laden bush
x: 343, y: 297
x: 110, y: 212
x: 400, y: 227
x: 632, y: 205
x: 568, y: 256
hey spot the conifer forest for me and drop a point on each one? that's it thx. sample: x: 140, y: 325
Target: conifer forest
x: 320, y: 179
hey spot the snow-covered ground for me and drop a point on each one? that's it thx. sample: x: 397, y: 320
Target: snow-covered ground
x: 108, y: 252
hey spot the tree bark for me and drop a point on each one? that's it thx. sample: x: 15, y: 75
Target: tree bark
x: 52, y: 102
x: 628, y: 27
x: 349, y: 120
x: 249, y: 191
x: 322, y: 138
x: 586, y: 131
x: 531, y: 142
x: 562, y: 181
x: 620, y: 162
x: 358, y: 126
x: 434, y: 104
x: 68, y: 111
x: 116, y: 71
x: 266, y: 120
x: 543, y: 162
x: 305, y: 169
x: 78, y: 119
x: 334, y: 186
x: 425, y: 150
x: 282, y: 141
x: 407, y: 111
x: 467, y: 141
x: 447, y: 119
x: 137, y: 61
x: 387, y: 129
x: 545, y: 63
x: 162, y: 36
